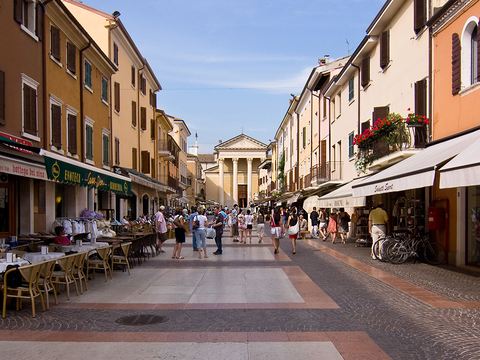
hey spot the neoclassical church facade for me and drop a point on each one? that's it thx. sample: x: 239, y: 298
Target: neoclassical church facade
x: 234, y: 177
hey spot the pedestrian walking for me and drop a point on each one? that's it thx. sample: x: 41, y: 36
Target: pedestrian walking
x: 333, y: 225
x: 229, y: 222
x: 191, y: 218
x: 242, y: 226
x: 323, y: 224
x: 276, y: 228
x: 293, y: 229
x: 178, y: 224
x: 235, y: 222
x: 343, y: 220
x: 249, y: 223
x: 314, y: 221
x: 200, y: 233
x: 218, y: 226
x: 161, y: 228
x: 377, y: 224
x: 260, y: 226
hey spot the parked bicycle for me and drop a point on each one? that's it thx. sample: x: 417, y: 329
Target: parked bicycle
x: 407, y: 245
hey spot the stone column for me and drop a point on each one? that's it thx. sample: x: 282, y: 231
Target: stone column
x: 249, y: 179
x: 235, y: 181
x: 221, y: 190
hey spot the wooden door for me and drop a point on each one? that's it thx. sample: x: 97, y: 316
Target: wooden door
x: 242, y: 196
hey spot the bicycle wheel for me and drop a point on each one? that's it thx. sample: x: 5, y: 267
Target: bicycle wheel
x: 397, y: 253
x: 385, y: 247
x: 377, y: 250
x: 434, y: 253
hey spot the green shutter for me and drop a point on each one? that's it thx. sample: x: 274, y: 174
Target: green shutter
x: 351, y: 89
x: 104, y: 89
x: 88, y: 74
x: 89, y: 142
x: 105, y: 149
x: 351, y: 150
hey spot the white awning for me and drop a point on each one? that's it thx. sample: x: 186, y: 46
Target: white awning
x: 463, y: 170
x: 343, y: 197
x: 293, y: 199
x: 418, y: 171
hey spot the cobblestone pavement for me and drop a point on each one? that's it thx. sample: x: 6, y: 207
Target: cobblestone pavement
x: 402, y: 325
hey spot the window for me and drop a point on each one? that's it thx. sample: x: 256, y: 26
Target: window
x: 71, y: 58
x: 116, y: 89
x: 420, y: 15
x: 474, y: 54
x: 117, y: 151
x: 2, y: 98
x: 134, y: 113
x: 88, y: 74
x: 324, y: 107
x: 304, y: 135
x: 351, y: 148
x: 152, y: 129
x: 351, y: 89
x: 30, y: 17
x: 152, y: 167
x: 104, y: 90
x: 55, y: 43
x: 365, y: 72
x: 421, y: 97
x: 153, y: 99
x: 134, y: 158
x: 89, y: 142
x: 143, y: 88
x: 133, y: 76
x: 385, y: 49
x: 456, y: 50
x: 115, y: 54
x: 339, y: 105
x: 106, y: 146
x: 29, y: 114
x: 143, y: 114
x: 71, y: 130
x: 56, y: 121
x: 380, y: 113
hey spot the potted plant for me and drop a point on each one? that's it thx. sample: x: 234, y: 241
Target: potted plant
x: 415, y: 120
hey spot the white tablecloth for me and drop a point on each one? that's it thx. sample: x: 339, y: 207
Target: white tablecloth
x: 86, y: 246
x: 35, y: 257
x: 4, y: 264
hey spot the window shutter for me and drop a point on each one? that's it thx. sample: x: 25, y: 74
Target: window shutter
x: 56, y: 126
x: 134, y: 158
x: 365, y: 71
x: 39, y: 22
x: 71, y: 58
x: 385, y: 49
x: 89, y: 142
x: 144, y: 86
x: 152, y: 129
x: 421, y: 97
x: 106, y: 145
x: 456, y: 50
x: 143, y: 113
x: 133, y: 76
x: 29, y: 110
x: 152, y: 168
x: 365, y: 126
x: 117, y: 96
x: 17, y: 11
x: 155, y: 95
x: 151, y: 98
x: 72, y: 134
x: 115, y: 54
x: 420, y: 14
x: 380, y: 113
x: 55, y: 35
x: 134, y: 113
x: 2, y: 98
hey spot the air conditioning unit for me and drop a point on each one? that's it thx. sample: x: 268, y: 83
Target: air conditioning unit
x: 3, y: 178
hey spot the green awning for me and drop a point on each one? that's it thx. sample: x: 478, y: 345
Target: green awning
x: 68, y: 171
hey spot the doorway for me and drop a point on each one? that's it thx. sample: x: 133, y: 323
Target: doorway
x: 242, y: 196
x: 7, y: 210
x: 145, y: 202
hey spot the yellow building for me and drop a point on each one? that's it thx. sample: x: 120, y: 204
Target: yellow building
x: 180, y: 134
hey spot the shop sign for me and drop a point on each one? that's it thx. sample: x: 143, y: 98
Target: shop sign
x: 18, y: 140
x: 22, y: 169
x: 71, y: 174
x: 385, y: 187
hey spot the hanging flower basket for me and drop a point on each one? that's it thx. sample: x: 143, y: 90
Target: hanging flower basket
x: 413, y: 120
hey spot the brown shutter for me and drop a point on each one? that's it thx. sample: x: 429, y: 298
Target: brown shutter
x: 55, y: 34
x: 134, y: 158
x: 30, y: 110
x: 155, y: 94
x: 152, y: 129
x: 133, y: 75
x: 17, y: 11
x: 117, y: 96
x: 380, y: 113
x: 56, y: 126
x: 420, y: 14
x: 115, y: 54
x: 134, y: 113
x: 143, y: 113
x: 71, y: 58
x: 365, y: 126
x: 151, y: 99
x: 152, y: 168
x: 145, y: 162
x: 365, y: 71
x: 117, y: 151
x: 39, y: 22
x: 72, y: 134
x: 421, y: 97
x: 456, y: 50
x: 2, y: 98
x: 385, y: 49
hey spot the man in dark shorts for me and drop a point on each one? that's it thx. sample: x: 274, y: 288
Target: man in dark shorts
x: 218, y: 225
x: 314, y: 219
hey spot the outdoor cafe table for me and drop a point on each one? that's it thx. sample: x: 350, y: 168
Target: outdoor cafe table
x: 4, y: 264
x: 35, y: 257
x: 86, y: 247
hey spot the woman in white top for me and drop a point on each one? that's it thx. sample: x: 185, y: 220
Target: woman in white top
x: 249, y: 222
x: 242, y: 226
x: 200, y: 233
x: 230, y: 223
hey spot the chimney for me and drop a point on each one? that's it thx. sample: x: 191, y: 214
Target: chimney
x: 220, y: 141
x: 327, y: 59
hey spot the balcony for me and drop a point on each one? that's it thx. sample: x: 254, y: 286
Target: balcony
x: 329, y: 171
x: 165, y: 151
x: 172, y: 182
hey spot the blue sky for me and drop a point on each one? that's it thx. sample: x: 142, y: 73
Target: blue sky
x: 225, y: 65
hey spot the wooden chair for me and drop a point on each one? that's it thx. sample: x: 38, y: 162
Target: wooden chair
x: 122, y: 257
x: 78, y: 273
x: 65, y: 275
x: 102, y: 261
x: 45, y: 281
x: 30, y: 290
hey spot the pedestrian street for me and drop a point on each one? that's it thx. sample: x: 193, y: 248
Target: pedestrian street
x: 328, y: 301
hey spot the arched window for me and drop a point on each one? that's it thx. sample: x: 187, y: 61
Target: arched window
x: 469, y: 53
x: 474, y: 55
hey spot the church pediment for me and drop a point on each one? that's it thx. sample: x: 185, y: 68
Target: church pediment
x: 241, y: 142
